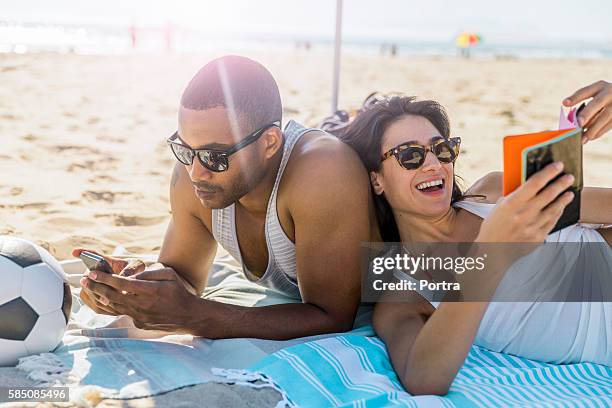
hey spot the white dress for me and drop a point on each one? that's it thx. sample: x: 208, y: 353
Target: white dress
x: 555, y: 332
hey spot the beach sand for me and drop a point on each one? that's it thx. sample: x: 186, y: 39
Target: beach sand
x: 83, y: 157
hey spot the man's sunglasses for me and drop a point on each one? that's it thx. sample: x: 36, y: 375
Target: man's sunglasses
x: 213, y: 160
x: 411, y: 155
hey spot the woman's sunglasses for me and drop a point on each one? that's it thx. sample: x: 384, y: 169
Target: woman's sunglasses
x: 213, y: 160
x: 411, y: 155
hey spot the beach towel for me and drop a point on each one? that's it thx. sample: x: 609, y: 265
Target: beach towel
x: 107, y: 357
x: 355, y: 371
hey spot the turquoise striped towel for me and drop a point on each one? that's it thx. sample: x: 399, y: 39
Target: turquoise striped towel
x: 107, y: 357
x: 355, y: 371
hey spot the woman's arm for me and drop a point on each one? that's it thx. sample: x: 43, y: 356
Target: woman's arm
x: 490, y: 185
x: 596, y: 205
x: 596, y: 208
x: 595, y: 202
x: 398, y: 325
x: 427, y: 349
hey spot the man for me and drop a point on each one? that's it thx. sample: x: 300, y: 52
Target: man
x: 292, y: 206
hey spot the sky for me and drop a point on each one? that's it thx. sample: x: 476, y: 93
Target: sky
x: 511, y: 21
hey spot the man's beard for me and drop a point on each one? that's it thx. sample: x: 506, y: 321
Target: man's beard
x: 230, y: 197
x: 226, y: 197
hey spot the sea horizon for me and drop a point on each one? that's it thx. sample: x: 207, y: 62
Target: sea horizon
x: 112, y: 39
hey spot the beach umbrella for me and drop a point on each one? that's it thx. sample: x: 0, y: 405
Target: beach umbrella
x: 337, y: 44
x: 475, y: 39
x: 467, y: 39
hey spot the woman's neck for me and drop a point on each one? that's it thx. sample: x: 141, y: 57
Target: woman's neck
x: 420, y: 228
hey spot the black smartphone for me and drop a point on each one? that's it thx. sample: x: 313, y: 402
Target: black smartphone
x: 568, y: 150
x: 95, y: 262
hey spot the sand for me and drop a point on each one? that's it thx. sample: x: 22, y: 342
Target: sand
x: 214, y: 395
x: 83, y: 157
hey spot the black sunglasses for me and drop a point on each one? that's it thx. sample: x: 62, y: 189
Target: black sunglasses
x: 213, y: 160
x: 411, y: 155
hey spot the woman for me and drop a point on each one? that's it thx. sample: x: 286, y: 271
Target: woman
x: 407, y: 149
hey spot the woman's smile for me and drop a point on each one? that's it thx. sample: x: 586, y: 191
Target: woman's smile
x: 433, y: 187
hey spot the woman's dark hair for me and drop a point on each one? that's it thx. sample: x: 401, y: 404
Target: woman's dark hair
x: 365, y: 135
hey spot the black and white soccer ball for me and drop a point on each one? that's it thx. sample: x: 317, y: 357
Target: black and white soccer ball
x: 35, y: 300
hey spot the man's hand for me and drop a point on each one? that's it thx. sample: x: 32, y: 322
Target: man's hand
x: 596, y: 117
x: 119, y: 267
x: 155, y: 299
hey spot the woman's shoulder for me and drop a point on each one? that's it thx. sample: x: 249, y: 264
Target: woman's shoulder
x: 490, y: 186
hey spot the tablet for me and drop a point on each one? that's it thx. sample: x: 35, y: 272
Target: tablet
x: 526, y: 154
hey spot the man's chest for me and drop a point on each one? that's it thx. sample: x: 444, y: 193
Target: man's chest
x: 251, y: 234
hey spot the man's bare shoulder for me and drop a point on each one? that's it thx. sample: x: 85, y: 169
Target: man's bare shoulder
x: 324, y: 174
x: 323, y: 149
x: 183, y: 198
x: 490, y: 185
x: 323, y: 161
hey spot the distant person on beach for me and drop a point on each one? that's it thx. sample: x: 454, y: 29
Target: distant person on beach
x: 292, y: 204
x: 133, y: 36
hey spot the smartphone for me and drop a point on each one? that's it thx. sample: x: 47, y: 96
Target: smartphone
x: 95, y: 262
x: 567, y: 149
x: 574, y: 118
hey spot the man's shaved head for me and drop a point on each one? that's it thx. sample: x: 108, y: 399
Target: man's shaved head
x: 243, y: 86
x: 228, y: 99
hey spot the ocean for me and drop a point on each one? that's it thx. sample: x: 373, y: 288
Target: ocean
x: 16, y: 37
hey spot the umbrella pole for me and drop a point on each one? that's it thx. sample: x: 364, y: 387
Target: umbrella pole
x: 338, y: 42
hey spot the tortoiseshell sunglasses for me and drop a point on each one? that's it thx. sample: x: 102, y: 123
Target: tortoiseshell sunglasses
x: 411, y: 155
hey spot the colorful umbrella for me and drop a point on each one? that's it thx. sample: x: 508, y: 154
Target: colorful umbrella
x: 467, y: 39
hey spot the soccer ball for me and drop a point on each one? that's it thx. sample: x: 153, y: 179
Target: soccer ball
x: 35, y: 300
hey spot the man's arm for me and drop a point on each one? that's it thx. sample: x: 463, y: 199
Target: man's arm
x: 328, y: 201
x: 186, y: 254
x: 189, y: 248
x: 329, y: 207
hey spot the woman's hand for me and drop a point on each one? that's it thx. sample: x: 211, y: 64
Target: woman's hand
x: 596, y: 117
x: 530, y: 212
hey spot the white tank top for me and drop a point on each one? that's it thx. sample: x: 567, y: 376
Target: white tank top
x: 280, y: 274
x: 555, y: 332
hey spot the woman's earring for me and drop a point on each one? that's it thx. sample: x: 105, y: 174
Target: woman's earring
x: 378, y: 189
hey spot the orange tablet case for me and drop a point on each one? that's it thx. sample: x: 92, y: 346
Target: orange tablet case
x: 513, y: 149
